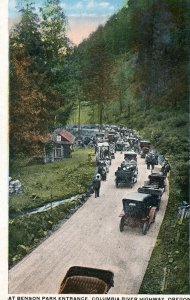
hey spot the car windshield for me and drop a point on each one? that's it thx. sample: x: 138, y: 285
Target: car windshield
x: 130, y: 156
x: 134, y: 207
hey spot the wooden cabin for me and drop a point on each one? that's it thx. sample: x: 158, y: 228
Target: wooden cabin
x: 62, y: 144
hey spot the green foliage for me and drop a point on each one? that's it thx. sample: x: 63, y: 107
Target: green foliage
x: 39, y: 83
x: 168, y: 131
x: 148, y: 44
x: 45, y: 183
x: 96, y: 69
x: 42, y: 184
x: 171, y: 252
x: 136, y: 67
x: 25, y: 233
x: 27, y: 103
x: 54, y: 39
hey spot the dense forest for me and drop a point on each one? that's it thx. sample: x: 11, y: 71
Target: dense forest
x: 137, y: 61
x: 134, y: 71
x: 42, y: 88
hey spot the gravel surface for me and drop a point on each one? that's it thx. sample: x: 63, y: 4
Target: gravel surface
x: 91, y: 238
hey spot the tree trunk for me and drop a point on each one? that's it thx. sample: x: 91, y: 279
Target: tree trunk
x: 100, y: 113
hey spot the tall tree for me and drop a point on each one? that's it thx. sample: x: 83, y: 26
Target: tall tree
x: 27, y: 102
x: 97, y: 73
x: 56, y: 49
x: 38, y: 75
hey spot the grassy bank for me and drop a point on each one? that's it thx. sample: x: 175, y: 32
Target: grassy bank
x: 27, y: 232
x: 168, y: 269
x: 47, y: 182
x: 42, y: 184
x: 167, y: 129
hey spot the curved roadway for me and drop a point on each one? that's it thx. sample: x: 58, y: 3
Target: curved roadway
x: 91, y: 238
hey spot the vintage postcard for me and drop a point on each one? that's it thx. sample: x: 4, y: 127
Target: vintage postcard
x: 94, y: 142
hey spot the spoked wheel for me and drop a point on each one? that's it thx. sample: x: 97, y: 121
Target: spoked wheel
x: 145, y: 228
x: 154, y: 218
x: 121, y: 225
x: 158, y: 205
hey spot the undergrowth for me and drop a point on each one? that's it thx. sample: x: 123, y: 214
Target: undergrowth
x: 25, y: 233
x: 43, y: 183
x: 168, y: 269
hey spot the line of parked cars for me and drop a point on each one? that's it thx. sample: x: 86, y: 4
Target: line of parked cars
x: 139, y: 208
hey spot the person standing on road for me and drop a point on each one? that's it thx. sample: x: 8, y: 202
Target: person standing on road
x: 148, y: 160
x: 153, y: 162
x: 97, y: 184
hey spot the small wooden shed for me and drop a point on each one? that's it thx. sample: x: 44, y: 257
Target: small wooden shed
x: 59, y: 146
x: 63, y: 142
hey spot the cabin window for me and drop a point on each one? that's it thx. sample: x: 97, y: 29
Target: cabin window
x: 58, y: 151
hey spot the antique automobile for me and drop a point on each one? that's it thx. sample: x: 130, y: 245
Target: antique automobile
x: 126, y: 176
x: 112, y: 150
x: 154, y: 191
x: 158, y: 180
x: 100, y: 135
x: 139, y: 210
x: 123, y: 131
x: 83, y: 280
x: 126, y: 146
x: 144, y: 148
x: 144, y: 151
x: 103, y: 164
x: 103, y: 150
x: 130, y: 165
x: 111, y: 137
x: 144, y: 143
x: 132, y: 141
x: 130, y: 155
x: 120, y: 145
x: 165, y: 167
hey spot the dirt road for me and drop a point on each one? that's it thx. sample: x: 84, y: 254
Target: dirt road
x: 91, y: 237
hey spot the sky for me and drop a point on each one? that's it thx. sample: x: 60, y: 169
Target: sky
x: 84, y: 16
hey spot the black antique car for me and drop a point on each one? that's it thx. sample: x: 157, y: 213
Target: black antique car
x: 158, y: 180
x: 126, y: 176
x: 103, y: 151
x: 83, y: 280
x: 154, y: 191
x: 144, y: 151
x: 144, y: 148
x: 165, y: 168
x: 139, y: 210
x: 145, y: 143
x: 120, y: 145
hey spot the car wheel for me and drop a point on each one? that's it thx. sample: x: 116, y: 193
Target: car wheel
x: 154, y: 218
x: 121, y: 225
x: 158, y: 206
x: 145, y: 228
